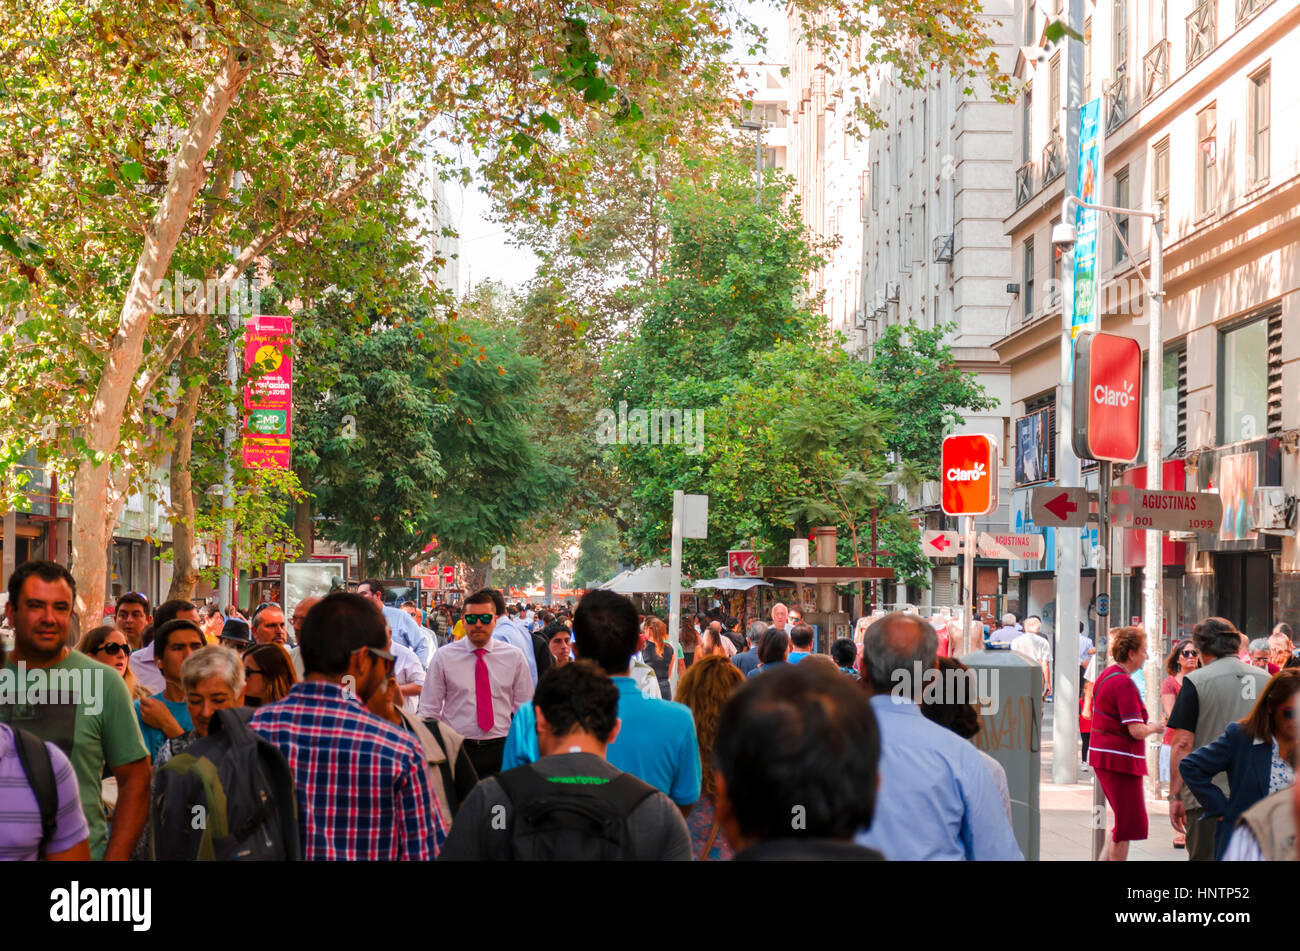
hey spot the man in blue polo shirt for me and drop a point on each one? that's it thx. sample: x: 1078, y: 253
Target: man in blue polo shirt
x: 657, y: 742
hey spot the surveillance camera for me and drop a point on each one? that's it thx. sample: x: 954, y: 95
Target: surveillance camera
x: 1064, y: 236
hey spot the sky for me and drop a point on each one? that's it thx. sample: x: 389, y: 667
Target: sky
x: 485, y: 249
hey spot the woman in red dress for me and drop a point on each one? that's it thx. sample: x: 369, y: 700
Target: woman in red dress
x: 1117, y: 752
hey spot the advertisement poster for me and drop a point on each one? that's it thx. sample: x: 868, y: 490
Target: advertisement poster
x: 1033, y: 462
x: 1086, y: 222
x: 1234, y: 472
x: 268, y: 400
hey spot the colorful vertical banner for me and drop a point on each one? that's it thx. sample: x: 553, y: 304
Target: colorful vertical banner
x: 268, y: 399
x: 1084, y: 314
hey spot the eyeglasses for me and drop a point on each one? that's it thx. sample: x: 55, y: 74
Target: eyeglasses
x: 376, y: 652
x: 1187, y: 654
x: 479, y: 618
x: 113, y: 649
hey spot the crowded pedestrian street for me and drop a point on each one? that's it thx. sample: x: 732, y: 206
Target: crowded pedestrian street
x: 705, y: 432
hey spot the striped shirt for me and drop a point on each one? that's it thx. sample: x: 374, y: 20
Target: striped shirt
x: 361, y: 782
x: 20, y: 814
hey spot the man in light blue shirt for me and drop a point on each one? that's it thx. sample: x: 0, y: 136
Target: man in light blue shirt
x: 405, y: 631
x: 657, y: 742
x: 511, y: 630
x: 937, y: 798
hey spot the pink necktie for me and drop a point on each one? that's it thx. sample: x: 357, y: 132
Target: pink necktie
x: 483, y: 692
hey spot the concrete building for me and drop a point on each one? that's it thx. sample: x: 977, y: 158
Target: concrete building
x: 918, y: 207
x: 764, y: 86
x: 1190, y: 121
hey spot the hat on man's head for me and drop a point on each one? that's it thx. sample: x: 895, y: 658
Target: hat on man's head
x: 236, y: 629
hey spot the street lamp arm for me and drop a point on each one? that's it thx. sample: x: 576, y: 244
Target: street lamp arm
x: 1155, y: 214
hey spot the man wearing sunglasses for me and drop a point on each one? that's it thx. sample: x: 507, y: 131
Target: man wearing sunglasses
x: 475, y: 684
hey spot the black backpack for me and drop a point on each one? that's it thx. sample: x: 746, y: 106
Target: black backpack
x: 229, y: 795
x: 34, y: 757
x: 561, y: 821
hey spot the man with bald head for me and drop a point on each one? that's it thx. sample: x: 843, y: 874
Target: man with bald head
x: 937, y: 798
x: 781, y: 617
x: 296, y: 622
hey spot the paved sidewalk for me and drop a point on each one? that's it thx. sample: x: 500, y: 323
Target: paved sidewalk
x: 1066, y: 817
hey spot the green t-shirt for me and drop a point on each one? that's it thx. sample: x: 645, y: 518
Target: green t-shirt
x: 85, y: 709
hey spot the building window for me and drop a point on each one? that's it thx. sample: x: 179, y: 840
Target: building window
x: 1031, y: 34
x: 907, y: 241
x: 1087, y: 59
x: 1054, y: 94
x: 1207, y: 180
x: 1026, y: 124
x: 1243, y: 382
x: 1160, y: 180
x: 1029, y: 278
x: 1121, y: 221
x: 1119, y: 38
x: 1173, y: 402
x: 1056, y: 290
x: 1259, y: 125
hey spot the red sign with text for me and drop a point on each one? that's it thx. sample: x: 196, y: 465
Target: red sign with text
x: 969, y: 474
x: 1107, y: 397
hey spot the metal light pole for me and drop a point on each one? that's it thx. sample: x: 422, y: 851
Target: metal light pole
x: 756, y: 126
x: 1153, y: 607
x: 1065, y: 725
x: 1152, y: 573
x: 225, y: 582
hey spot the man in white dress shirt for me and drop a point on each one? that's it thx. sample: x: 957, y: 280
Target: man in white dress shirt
x: 475, y: 684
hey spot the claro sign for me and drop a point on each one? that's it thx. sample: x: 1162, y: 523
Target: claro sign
x: 969, y: 475
x: 1107, y: 397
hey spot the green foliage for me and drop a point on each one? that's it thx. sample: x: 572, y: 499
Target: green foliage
x: 597, y: 555
x: 918, y: 382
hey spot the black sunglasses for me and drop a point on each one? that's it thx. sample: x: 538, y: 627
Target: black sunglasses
x: 1187, y: 654
x: 479, y: 618
x: 113, y: 649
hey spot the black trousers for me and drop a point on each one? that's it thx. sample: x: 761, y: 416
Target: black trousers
x: 486, y: 755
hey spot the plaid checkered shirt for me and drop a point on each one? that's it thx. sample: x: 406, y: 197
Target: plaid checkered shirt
x: 361, y: 782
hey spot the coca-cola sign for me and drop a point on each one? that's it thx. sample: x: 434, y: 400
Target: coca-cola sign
x: 742, y: 563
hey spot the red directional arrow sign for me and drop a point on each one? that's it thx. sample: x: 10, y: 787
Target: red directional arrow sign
x: 940, y: 544
x: 1054, y: 507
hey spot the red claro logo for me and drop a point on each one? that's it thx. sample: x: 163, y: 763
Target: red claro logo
x: 969, y: 475
x: 1110, y: 367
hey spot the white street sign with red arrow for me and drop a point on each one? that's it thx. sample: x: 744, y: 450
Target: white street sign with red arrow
x: 1054, y: 507
x: 941, y: 544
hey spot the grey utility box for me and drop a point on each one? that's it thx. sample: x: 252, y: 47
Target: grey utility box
x: 1011, y: 720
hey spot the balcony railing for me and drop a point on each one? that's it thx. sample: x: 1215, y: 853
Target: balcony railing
x: 1024, y: 183
x: 1155, y: 70
x: 1201, y: 32
x: 1248, y: 8
x: 1116, y: 95
x: 1052, y: 164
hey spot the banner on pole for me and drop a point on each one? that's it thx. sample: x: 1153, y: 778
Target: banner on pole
x: 1084, y: 315
x: 268, y: 400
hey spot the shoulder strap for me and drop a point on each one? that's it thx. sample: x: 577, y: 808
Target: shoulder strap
x: 39, y: 767
x: 627, y: 792
x: 522, y: 784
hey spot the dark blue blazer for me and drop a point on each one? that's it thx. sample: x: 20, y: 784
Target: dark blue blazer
x: 1246, y: 761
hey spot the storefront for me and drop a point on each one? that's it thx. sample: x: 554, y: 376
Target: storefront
x: 1238, y: 568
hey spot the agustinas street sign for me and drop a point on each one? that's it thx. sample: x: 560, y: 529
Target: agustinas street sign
x: 969, y: 474
x: 941, y: 544
x: 1166, y: 511
x: 1022, y: 547
x: 1053, y: 507
x: 1107, y: 397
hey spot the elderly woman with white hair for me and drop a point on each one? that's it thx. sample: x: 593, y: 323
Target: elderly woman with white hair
x: 213, y: 679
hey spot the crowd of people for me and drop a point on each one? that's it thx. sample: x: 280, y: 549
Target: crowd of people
x: 504, y: 732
